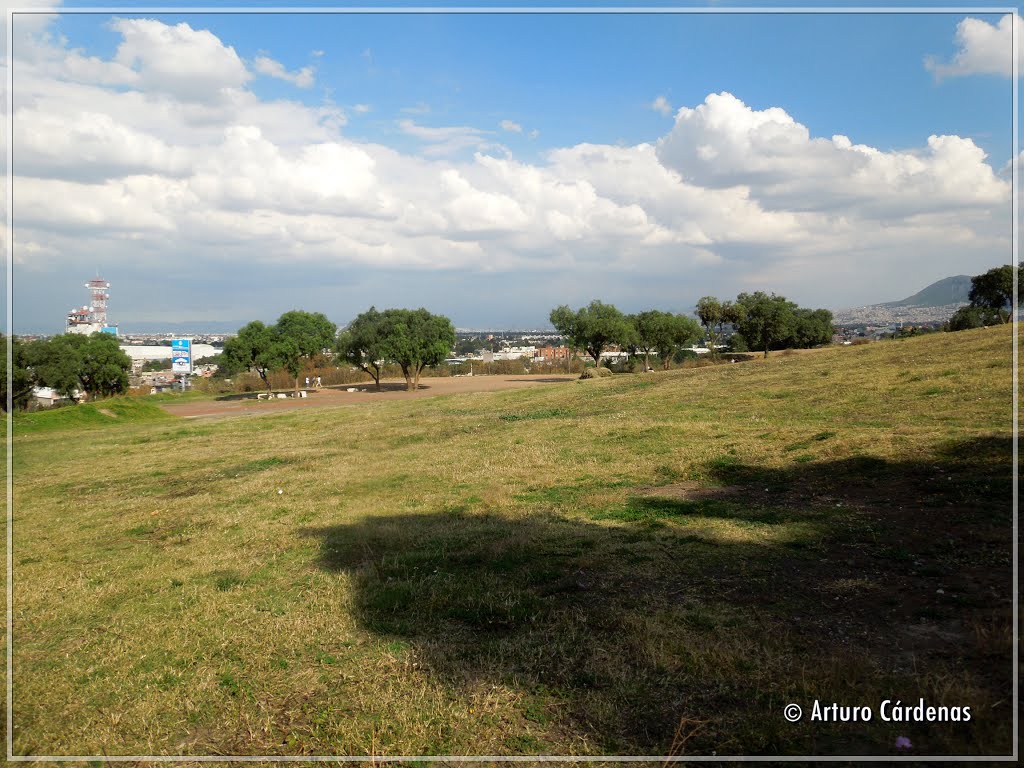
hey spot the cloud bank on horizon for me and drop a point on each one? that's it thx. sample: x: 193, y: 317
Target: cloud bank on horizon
x: 164, y: 156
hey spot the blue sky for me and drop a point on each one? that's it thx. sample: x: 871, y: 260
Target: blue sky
x: 492, y: 166
x: 590, y: 78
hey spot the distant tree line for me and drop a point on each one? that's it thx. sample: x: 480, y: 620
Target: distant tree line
x: 68, y: 364
x: 773, y: 322
x: 412, y: 340
x: 409, y: 338
x: 762, y: 322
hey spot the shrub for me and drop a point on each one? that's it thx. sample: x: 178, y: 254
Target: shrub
x: 595, y: 373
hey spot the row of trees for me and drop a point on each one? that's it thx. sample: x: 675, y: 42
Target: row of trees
x: 773, y: 322
x: 296, y: 337
x: 69, y: 364
x: 762, y: 322
x: 415, y: 339
x: 412, y: 338
x: 598, y: 326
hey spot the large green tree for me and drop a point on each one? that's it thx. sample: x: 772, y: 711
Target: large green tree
x: 414, y: 338
x: 104, y: 367
x: 72, y: 362
x: 768, y: 320
x: 682, y: 331
x: 301, y: 336
x: 251, y: 349
x: 709, y: 311
x: 663, y: 333
x: 593, y: 328
x: 285, y: 354
x: 55, y: 363
x: 364, y: 343
x: 993, y: 291
x: 811, y: 328
x: 714, y: 314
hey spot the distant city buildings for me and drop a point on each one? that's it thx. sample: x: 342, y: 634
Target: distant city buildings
x: 508, y: 353
x: 550, y: 354
x: 883, y: 316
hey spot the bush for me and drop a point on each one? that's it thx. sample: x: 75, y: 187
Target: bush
x: 967, y: 318
x: 595, y: 373
x: 682, y: 355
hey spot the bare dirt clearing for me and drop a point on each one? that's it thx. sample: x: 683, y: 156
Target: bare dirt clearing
x: 391, y: 390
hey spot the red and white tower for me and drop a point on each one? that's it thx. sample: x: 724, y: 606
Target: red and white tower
x: 92, y: 318
x: 98, y: 306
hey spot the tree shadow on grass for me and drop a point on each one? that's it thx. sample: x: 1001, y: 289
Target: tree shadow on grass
x: 712, y: 610
x: 549, y: 606
x: 385, y: 386
x: 549, y: 379
x: 362, y: 386
x: 974, y: 475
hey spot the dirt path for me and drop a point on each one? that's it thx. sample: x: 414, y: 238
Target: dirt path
x: 234, y: 405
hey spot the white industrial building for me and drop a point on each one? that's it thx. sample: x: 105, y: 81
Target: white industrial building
x: 509, y: 353
x: 161, y: 352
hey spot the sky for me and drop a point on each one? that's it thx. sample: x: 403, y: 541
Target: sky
x: 220, y: 168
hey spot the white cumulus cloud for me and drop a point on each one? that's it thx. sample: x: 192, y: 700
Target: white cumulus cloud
x: 982, y: 49
x: 161, y: 151
x: 724, y: 143
x: 186, y: 63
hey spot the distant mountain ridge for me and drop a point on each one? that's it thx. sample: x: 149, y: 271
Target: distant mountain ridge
x: 948, y: 290
x: 934, y: 304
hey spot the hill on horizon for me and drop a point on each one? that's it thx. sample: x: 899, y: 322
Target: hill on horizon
x: 948, y: 290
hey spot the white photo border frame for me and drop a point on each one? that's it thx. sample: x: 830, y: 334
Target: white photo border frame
x: 506, y: 10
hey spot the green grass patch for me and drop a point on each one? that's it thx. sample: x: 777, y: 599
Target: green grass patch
x: 103, y: 413
x: 544, y: 413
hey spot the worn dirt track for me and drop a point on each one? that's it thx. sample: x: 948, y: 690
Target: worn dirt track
x: 392, y: 390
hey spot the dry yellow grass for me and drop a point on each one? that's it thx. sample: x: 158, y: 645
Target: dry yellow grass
x: 544, y: 571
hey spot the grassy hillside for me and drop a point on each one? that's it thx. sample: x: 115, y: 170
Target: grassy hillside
x: 120, y: 410
x: 949, y: 290
x: 649, y: 564
x: 115, y: 410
